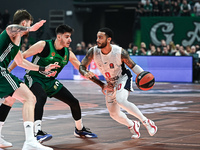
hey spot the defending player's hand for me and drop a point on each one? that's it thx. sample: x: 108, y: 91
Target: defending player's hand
x: 51, y: 66
x: 37, y: 25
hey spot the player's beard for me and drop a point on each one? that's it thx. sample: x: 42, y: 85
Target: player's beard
x: 102, y: 45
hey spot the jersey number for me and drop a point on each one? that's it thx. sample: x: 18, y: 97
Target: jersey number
x: 107, y: 74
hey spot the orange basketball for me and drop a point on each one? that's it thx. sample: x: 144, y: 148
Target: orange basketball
x: 145, y: 80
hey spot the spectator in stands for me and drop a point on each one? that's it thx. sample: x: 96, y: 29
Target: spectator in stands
x: 148, y: 8
x: 135, y: 50
x: 155, y: 10
x: 188, y: 50
x: 144, y: 1
x: 158, y: 51
x: 172, y: 48
x: 163, y: 44
x: 167, y: 8
x: 153, y: 50
x: 88, y: 46
x: 130, y: 49
x: 83, y: 45
x: 165, y: 51
x: 196, y: 8
x: 176, y: 9
x: 183, y: 51
x: 79, y: 50
x: 161, y: 6
x: 143, y: 49
x: 185, y: 8
x: 196, y: 65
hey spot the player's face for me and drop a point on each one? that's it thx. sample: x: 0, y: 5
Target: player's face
x: 66, y: 39
x: 101, y: 40
x: 27, y: 23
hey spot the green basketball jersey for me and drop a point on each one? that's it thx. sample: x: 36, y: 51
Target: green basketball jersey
x: 8, y: 50
x: 53, y: 58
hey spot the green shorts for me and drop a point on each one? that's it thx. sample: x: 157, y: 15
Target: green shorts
x: 8, y: 83
x: 50, y: 85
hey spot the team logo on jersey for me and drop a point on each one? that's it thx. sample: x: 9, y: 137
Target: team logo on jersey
x: 111, y: 65
x: 55, y: 87
x: 65, y: 58
x: 53, y: 54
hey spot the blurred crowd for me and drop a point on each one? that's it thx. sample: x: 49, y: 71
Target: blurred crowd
x: 168, y: 8
x: 170, y: 49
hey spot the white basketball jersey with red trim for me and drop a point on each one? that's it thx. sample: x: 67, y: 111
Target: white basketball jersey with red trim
x: 110, y: 65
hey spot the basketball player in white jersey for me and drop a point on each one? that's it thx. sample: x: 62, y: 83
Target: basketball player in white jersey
x: 110, y: 60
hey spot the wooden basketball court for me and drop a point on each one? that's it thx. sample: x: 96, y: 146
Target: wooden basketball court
x: 175, y: 108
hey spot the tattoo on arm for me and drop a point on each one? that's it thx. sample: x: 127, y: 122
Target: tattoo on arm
x: 15, y: 29
x: 127, y: 60
x: 86, y: 61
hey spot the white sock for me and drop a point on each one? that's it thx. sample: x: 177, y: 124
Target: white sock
x: 1, y: 125
x: 28, y: 128
x: 79, y: 124
x: 38, y: 125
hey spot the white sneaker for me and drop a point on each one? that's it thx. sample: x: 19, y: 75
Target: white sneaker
x: 135, y: 130
x: 150, y: 126
x: 34, y: 145
x: 4, y: 144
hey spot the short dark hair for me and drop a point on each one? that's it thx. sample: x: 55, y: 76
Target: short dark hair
x: 108, y: 32
x: 64, y: 28
x: 21, y: 15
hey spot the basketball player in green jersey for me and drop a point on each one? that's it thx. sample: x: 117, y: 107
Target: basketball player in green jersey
x: 43, y: 84
x: 11, y: 88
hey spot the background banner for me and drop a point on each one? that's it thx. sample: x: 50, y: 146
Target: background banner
x: 182, y: 30
x: 164, y: 68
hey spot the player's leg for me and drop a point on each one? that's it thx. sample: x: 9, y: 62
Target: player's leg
x: 26, y: 96
x: 4, y: 110
x: 121, y: 117
x: 122, y: 99
x: 65, y: 96
x: 41, y: 98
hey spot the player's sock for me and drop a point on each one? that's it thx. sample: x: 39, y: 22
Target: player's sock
x: 38, y: 126
x: 28, y: 127
x: 79, y: 124
x: 1, y: 125
x: 4, y: 110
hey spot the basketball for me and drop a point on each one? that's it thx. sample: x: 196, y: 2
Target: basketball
x: 145, y: 80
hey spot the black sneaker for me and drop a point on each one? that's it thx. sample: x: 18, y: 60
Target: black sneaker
x: 84, y: 133
x: 43, y: 136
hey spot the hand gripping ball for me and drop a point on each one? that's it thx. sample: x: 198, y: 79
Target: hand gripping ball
x: 145, y: 80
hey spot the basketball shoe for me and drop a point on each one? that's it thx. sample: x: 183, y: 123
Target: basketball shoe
x: 43, y: 136
x: 84, y: 133
x: 135, y: 130
x: 150, y: 126
x: 4, y: 144
x: 34, y: 145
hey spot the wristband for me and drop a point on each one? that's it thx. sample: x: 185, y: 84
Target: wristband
x: 41, y: 68
x: 137, y: 69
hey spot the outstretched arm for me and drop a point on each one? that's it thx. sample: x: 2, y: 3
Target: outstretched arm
x: 15, y: 29
x: 73, y: 59
x: 20, y: 60
x: 33, y: 50
x: 130, y: 63
x: 88, y: 74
